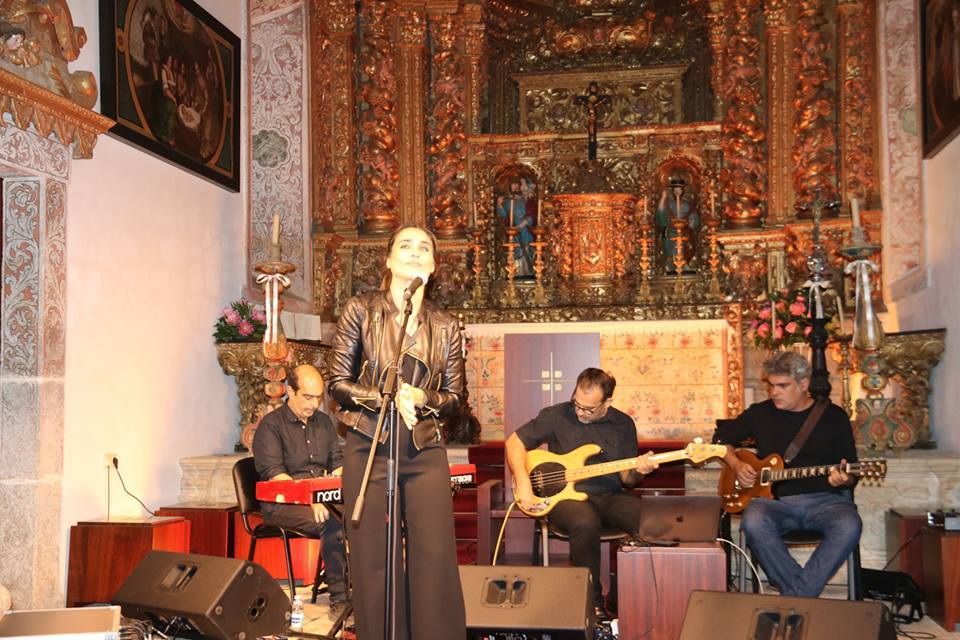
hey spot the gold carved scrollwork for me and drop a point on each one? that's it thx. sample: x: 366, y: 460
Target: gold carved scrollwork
x: 743, y: 131
x: 245, y: 362
x: 910, y: 358
x: 413, y: 27
x: 379, y: 173
x: 448, y: 149
x: 38, y: 41
x: 637, y: 97
x: 814, y: 150
x: 600, y: 37
x: 340, y: 15
x: 31, y: 105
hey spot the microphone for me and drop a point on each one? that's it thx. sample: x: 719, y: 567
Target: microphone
x: 415, y: 284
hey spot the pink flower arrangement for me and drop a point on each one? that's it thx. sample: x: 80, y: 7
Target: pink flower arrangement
x: 242, y: 321
x: 782, y: 318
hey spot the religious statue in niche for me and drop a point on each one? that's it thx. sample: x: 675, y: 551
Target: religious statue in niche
x: 678, y: 223
x: 517, y: 205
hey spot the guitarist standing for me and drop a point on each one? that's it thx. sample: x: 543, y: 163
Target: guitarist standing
x: 823, y: 504
x: 587, y: 418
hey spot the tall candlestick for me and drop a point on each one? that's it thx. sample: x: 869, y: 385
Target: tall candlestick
x: 511, y: 211
x: 713, y: 204
x: 855, y: 211
x: 275, y: 237
x: 677, y: 212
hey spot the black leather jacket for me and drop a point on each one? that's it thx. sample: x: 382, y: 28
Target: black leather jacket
x: 360, y: 355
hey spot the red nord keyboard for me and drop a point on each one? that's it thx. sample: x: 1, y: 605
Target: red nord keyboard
x: 327, y: 490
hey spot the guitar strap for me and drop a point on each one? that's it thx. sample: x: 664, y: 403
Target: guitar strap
x: 818, y: 408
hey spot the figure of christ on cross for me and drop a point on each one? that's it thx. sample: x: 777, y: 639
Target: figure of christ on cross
x: 592, y: 100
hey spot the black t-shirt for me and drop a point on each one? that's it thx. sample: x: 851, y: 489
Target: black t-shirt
x: 774, y: 429
x: 283, y: 444
x: 559, y: 428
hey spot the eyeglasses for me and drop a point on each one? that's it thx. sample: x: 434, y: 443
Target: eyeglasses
x: 587, y: 411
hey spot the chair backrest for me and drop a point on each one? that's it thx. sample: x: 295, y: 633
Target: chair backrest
x: 245, y: 478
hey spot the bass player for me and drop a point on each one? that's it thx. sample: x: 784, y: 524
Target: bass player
x: 587, y: 418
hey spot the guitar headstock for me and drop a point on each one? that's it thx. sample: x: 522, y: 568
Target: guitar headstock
x: 698, y: 452
x: 872, y: 471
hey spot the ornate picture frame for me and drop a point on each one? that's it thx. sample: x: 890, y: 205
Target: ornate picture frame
x: 940, y: 68
x: 170, y: 78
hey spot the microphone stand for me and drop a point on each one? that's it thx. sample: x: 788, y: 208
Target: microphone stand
x: 388, y: 405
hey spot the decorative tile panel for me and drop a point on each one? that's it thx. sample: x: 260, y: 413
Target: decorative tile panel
x: 672, y: 377
x: 278, y: 145
x: 25, y: 151
x: 53, y: 309
x: 903, y: 217
x: 19, y: 340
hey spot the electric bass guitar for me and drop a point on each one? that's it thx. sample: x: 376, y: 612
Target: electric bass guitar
x: 770, y: 470
x: 553, y: 476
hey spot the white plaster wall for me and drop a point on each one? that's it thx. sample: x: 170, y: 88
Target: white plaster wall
x: 153, y: 254
x: 939, y: 304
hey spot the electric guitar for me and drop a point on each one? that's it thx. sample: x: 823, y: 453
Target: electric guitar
x: 552, y: 475
x: 771, y: 469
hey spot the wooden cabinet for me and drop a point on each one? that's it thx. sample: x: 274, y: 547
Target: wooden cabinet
x: 104, y: 552
x: 941, y: 576
x: 902, y: 525
x: 211, y: 526
x: 654, y: 584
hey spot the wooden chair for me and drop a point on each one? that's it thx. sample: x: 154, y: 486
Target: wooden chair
x: 245, y: 478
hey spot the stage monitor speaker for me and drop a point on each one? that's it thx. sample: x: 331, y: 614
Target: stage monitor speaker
x: 221, y: 598
x: 768, y: 617
x: 535, y: 601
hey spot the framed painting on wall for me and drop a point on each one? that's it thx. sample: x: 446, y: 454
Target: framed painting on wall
x: 170, y: 77
x: 940, y: 82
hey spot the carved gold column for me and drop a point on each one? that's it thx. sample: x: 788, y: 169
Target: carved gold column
x: 743, y: 137
x: 474, y: 45
x: 814, y: 145
x: 327, y: 281
x: 857, y: 85
x: 717, y: 28
x: 780, y: 84
x: 379, y: 174
x: 411, y: 34
x: 336, y: 188
x: 447, y: 153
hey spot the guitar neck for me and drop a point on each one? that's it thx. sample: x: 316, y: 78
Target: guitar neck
x: 604, y: 468
x: 851, y: 468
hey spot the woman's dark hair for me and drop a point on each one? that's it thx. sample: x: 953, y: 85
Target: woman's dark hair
x: 592, y: 377
x: 385, y: 280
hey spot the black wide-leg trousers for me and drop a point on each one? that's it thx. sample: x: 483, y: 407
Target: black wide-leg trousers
x: 429, y: 596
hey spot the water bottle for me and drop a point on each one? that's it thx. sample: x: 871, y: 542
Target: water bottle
x: 296, y: 616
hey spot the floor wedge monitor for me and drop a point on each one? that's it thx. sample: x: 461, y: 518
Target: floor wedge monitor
x: 751, y: 616
x: 537, y: 602
x: 191, y: 594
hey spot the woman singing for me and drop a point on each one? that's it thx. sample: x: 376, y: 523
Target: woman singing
x: 429, y: 598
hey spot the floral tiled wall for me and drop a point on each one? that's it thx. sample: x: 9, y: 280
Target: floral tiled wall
x: 671, y: 376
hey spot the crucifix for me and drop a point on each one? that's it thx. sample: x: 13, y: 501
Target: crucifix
x: 592, y: 100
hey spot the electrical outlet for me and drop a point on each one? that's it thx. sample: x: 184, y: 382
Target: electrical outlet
x: 108, y: 459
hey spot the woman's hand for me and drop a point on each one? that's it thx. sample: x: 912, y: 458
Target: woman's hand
x: 408, y: 400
